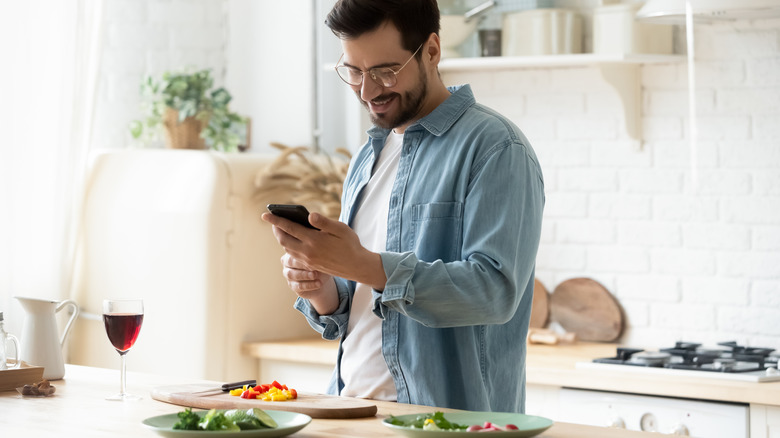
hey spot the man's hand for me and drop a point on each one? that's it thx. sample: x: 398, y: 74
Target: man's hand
x: 333, y: 250
x: 317, y: 287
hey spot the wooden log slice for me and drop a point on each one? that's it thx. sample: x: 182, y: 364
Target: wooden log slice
x: 540, y: 310
x: 587, y: 308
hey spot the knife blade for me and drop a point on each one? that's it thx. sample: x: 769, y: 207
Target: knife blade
x: 224, y: 388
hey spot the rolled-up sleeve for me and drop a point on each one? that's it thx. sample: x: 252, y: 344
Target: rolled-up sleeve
x: 331, y: 326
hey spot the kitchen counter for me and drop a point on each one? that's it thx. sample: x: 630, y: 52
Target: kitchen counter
x: 79, y: 408
x: 555, y: 365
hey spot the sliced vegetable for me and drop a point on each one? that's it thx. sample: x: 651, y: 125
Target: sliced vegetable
x: 268, y: 392
x: 249, y: 419
x: 265, y: 418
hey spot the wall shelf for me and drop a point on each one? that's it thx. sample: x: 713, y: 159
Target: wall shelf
x: 550, y: 61
x: 620, y: 71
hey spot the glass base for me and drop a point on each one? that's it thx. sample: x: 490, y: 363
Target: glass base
x: 124, y: 397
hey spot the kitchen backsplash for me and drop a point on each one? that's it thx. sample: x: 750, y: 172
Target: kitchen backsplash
x: 687, y: 260
x: 695, y: 260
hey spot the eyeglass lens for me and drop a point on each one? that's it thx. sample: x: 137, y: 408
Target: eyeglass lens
x: 382, y: 76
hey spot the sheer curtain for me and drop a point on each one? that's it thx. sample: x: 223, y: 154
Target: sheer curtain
x: 49, y: 73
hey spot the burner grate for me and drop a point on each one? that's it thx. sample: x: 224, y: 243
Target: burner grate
x: 734, y: 358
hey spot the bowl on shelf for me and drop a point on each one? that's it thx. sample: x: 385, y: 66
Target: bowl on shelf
x: 454, y: 32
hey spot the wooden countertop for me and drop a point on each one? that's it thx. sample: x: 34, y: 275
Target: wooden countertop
x: 79, y: 408
x: 555, y: 365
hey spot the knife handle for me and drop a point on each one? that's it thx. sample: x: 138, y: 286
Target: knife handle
x: 236, y: 385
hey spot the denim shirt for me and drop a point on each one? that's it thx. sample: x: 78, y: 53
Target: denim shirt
x: 462, y: 235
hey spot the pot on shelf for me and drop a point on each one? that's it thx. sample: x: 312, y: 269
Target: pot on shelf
x: 184, y: 134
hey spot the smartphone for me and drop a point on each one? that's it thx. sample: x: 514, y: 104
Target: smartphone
x: 294, y: 212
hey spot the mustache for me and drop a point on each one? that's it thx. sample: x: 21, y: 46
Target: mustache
x: 385, y: 96
x: 380, y: 97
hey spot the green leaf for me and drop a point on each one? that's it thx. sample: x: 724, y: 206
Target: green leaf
x: 136, y: 128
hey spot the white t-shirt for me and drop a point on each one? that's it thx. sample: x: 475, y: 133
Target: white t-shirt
x: 363, y: 368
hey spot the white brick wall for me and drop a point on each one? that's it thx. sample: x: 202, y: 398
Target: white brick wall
x: 687, y: 261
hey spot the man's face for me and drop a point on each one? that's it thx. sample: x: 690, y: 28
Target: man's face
x: 396, y: 106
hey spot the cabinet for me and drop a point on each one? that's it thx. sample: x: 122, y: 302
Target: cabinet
x: 620, y: 71
x: 764, y: 421
x: 542, y: 400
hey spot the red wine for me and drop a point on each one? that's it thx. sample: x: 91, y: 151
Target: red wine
x: 123, y: 329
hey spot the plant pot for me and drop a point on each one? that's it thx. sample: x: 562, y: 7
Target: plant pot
x: 182, y: 135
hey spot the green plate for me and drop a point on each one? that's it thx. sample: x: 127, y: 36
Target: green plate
x: 527, y: 425
x: 289, y: 423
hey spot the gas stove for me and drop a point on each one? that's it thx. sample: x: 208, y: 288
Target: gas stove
x: 728, y: 361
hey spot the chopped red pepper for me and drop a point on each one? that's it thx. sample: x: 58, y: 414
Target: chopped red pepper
x: 260, y: 391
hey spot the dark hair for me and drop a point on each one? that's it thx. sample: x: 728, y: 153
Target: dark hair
x: 414, y: 19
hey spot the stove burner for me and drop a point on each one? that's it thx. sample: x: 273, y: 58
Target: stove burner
x: 724, y: 364
x: 626, y: 353
x: 689, y: 356
x: 650, y: 358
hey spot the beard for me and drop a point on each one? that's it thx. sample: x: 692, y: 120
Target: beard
x: 410, y: 104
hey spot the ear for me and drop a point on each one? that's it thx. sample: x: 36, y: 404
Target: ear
x: 433, y: 50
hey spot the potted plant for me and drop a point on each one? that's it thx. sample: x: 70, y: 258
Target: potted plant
x: 189, y: 112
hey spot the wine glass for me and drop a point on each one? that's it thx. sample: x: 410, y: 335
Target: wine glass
x: 123, y: 319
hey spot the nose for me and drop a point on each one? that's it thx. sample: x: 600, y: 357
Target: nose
x: 369, y: 89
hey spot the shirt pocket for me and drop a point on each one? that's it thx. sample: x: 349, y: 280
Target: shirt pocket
x: 438, y: 230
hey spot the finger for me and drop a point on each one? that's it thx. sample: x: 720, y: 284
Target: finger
x: 290, y: 243
x: 284, y: 224
x: 306, y: 289
x: 292, y: 262
x: 302, y: 280
x: 294, y: 274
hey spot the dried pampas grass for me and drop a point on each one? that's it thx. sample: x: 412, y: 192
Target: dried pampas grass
x: 299, y: 176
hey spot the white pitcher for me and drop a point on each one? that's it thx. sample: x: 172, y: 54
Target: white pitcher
x: 42, y: 341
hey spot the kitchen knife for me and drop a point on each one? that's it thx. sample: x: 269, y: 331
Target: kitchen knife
x: 225, y: 388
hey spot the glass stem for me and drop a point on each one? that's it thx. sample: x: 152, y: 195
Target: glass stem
x: 123, y: 388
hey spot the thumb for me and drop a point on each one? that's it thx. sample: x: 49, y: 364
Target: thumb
x: 324, y: 223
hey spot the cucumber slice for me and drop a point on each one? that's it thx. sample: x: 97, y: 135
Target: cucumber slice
x: 264, y: 418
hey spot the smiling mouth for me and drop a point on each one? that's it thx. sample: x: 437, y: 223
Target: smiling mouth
x: 380, y: 104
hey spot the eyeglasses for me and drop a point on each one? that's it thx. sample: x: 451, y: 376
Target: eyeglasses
x: 384, y: 76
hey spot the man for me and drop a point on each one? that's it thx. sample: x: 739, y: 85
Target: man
x: 429, y: 287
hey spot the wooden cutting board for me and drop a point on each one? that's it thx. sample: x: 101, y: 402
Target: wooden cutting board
x: 313, y: 405
x: 540, y: 309
x: 585, y: 307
